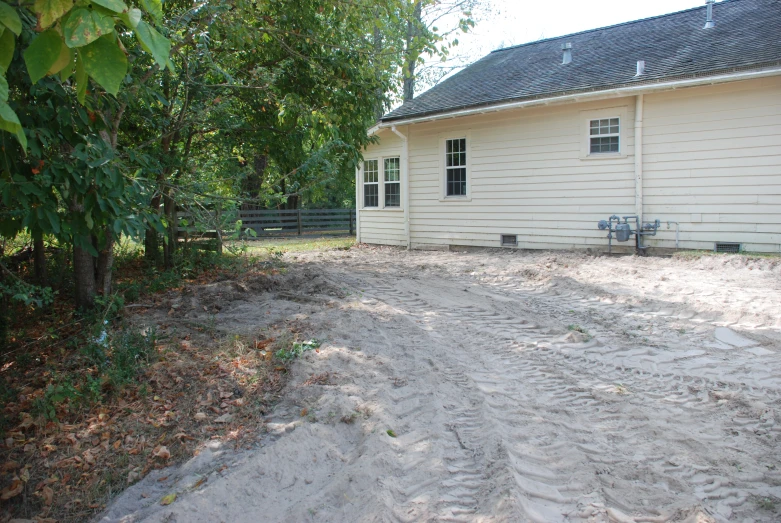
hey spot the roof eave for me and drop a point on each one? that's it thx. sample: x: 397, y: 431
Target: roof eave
x: 615, y: 91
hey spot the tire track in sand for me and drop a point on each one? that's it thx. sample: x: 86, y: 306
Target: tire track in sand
x: 530, y: 382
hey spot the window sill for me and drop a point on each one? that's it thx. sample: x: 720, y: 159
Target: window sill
x: 452, y: 199
x: 604, y: 156
x: 389, y: 209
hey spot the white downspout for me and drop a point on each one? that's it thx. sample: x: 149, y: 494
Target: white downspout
x: 405, y: 184
x: 639, y: 159
x: 358, y: 202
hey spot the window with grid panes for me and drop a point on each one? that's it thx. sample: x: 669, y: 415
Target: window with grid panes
x: 371, y: 183
x: 455, y: 167
x: 392, y: 174
x: 604, y: 136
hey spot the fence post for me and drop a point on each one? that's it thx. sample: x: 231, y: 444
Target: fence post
x: 299, y: 222
x: 351, y: 222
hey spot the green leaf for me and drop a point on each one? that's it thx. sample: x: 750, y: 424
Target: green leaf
x: 49, y: 11
x: 10, y: 19
x: 153, y: 43
x: 54, y: 219
x: 112, y: 5
x: 105, y: 63
x: 81, y: 80
x: 131, y: 18
x: 3, y: 89
x: 7, y: 43
x: 84, y: 26
x: 64, y: 60
x: 10, y: 122
x: 42, y: 54
x: 154, y: 8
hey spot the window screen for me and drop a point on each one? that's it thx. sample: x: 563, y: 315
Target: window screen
x: 392, y: 170
x: 604, y: 136
x: 455, y: 167
x: 371, y: 185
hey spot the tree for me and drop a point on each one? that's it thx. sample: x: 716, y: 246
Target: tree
x: 61, y: 177
x: 425, y: 37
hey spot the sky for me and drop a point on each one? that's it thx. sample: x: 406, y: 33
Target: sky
x: 512, y: 22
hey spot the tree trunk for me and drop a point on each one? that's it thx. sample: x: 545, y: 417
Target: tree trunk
x: 253, y: 183
x: 39, y: 261
x: 84, y: 277
x: 169, y: 208
x: 3, y: 303
x: 151, y: 238
x: 105, y: 264
x: 411, y: 53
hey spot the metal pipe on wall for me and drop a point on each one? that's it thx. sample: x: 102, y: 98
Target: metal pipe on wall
x: 405, y: 183
x: 639, y: 101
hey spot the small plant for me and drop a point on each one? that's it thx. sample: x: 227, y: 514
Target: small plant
x: 350, y: 418
x: 578, y: 328
x: 766, y: 503
x: 55, y: 396
x: 296, y: 350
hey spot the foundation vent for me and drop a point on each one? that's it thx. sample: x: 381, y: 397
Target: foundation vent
x: 727, y: 247
x: 509, y: 240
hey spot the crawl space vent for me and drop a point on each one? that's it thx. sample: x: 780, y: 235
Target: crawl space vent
x: 727, y: 247
x: 509, y: 240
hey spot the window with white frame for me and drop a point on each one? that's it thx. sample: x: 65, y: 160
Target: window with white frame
x: 371, y: 183
x: 392, y: 177
x: 455, y: 167
x: 604, y: 136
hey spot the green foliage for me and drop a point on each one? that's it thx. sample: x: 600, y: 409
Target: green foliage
x: 297, y: 349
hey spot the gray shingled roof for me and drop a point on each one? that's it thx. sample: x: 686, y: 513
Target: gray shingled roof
x: 747, y: 35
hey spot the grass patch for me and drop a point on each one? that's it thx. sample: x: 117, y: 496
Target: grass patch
x: 292, y: 245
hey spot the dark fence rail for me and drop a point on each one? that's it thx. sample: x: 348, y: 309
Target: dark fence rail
x: 266, y: 223
x: 298, y: 221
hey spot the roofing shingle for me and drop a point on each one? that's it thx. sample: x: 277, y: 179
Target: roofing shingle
x: 747, y: 35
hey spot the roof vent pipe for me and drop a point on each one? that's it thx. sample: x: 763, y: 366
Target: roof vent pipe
x: 640, y: 68
x: 709, y: 23
x: 567, y: 48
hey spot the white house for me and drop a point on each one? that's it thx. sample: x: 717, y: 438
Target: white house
x: 675, y: 118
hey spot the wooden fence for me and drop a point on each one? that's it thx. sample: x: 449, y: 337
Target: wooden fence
x: 267, y: 223
x: 298, y: 221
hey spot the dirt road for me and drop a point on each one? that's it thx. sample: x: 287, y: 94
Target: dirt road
x: 499, y: 386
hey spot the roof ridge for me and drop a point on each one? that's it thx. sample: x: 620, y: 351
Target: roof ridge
x: 640, y: 20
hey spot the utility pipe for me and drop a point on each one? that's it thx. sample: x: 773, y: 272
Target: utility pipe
x: 405, y: 183
x: 639, y: 159
x: 358, y: 204
x: 589, y: 96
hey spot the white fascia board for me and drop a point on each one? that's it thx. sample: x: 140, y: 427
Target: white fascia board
x: 590, y: 96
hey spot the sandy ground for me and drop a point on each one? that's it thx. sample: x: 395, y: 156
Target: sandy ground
x: 538, y: 387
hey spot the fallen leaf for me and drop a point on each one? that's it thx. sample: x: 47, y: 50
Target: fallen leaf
x: 48, y: 495
x: 304, y: 412
x: 225, y: 418
x: 14, y: 489
x: 9, y: 466
x: 162, y: 453
x: 167, y: 500
x: 200, y: 482
x: 200, y: 416
x: 117, y: 444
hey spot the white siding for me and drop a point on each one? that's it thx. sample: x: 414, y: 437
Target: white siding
x: 527, y: 178
x: 713, y: 163
x: 382, y: 226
